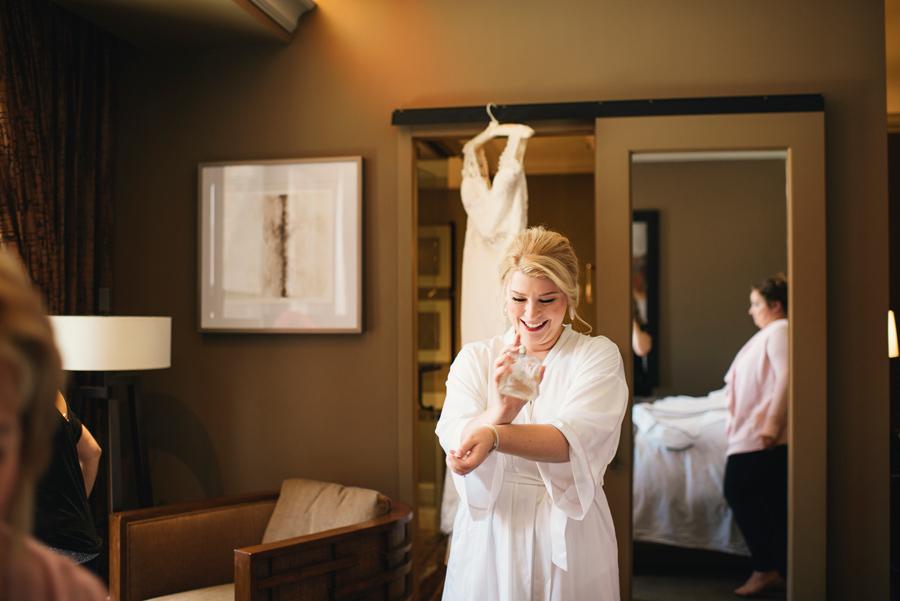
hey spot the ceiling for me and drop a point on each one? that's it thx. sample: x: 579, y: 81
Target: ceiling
x: 166, y: 25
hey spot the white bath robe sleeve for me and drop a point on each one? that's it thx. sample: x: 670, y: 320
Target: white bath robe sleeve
x: 533, y: 530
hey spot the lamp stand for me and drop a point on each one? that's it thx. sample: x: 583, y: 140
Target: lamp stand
x: 107, y: 400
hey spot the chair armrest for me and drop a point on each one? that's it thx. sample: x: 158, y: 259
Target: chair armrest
x: 172, y: 548
x: 368, y: 557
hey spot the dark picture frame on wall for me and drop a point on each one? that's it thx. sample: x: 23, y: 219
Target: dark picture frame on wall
x: 435, y: 332
x: 280, y: 246
x: 645, y: 292
x: 435, y: 256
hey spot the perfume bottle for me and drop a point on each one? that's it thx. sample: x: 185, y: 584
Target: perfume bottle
x: 523, y: 382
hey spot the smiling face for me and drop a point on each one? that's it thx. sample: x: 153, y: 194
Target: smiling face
x: 762, y: 312
x: 536, y: 308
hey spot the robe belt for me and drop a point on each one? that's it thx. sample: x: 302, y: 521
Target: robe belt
x: 519, y: 478
x: 558, y: 519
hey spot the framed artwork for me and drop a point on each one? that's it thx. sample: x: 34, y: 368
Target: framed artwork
x: 434, y: 331
x: 281, y: 246
x: 645, y: 289
x: 435, y: 256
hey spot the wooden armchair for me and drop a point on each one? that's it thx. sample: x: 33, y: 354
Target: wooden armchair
x: 199, y: 549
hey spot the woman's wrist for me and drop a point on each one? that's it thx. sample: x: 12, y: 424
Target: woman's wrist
x: 496, y: 437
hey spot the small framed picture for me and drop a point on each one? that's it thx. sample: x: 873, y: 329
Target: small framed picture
x: 435, y: 256
x: 281, y: 246
x: 434, y: 331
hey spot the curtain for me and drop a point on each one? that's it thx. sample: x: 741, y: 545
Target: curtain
x: 56, y: 158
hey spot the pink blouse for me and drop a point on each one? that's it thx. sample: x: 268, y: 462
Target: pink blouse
x: 39, y: 574
x: 756, y: 386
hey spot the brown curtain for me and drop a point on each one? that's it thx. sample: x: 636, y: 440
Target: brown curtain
x: 56, y: 157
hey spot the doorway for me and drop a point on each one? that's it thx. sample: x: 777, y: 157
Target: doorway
x: 559, y: 172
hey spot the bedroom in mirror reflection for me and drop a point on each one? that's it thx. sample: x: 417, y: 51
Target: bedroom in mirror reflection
x: 718, y: 225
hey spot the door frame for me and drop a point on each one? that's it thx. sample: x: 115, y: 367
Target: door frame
x: 801, y: 136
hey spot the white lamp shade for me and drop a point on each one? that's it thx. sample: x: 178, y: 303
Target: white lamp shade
x: 113, y: 343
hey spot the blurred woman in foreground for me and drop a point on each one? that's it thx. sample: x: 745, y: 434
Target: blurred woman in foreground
x: 30, y: 376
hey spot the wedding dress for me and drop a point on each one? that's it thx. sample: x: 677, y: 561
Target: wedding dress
x: 497, y: 210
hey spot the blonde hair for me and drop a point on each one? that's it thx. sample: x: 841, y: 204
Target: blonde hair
x: 27, y: 344
x: 539, y: 252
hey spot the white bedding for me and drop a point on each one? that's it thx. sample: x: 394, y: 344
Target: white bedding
x: 679, y: 467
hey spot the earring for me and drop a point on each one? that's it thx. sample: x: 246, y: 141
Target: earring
x: 572, y: 313
x: 504, y: 309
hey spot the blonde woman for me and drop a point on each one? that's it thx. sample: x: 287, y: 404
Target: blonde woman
x: 29, y: 378
x: 533, y: 521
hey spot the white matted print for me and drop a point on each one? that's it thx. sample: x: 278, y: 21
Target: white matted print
x: 281, y: 246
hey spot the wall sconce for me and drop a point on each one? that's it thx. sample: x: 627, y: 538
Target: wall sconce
x: 893, y: 351
x: 116, y: 347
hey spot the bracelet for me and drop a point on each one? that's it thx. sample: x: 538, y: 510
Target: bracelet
x: 496, y: 437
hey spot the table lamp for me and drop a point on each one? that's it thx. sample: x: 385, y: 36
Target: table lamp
x: 116, y: 347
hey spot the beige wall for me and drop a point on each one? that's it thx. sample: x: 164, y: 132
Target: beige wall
x: 266, y: 407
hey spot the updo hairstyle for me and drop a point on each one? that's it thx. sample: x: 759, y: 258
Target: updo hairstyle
x: 538, y: 252
x: 774, y: 289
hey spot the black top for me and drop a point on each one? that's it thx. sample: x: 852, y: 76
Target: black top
x: 62, y: 514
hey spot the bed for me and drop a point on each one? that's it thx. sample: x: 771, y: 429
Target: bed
x: 679, y: 467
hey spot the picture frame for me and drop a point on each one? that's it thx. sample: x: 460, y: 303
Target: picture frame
x: 435, y: 256
x: 435, y: 331
x: 280, y: 246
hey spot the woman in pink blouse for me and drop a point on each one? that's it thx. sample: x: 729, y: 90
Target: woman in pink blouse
x: 756, y: 386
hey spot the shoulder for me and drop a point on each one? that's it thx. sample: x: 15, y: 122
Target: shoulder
x: 594, y: 351
x: 777, y: 330
x: 481, y: 353
x: 47, y: 576
x: 597, y: 345
x: 482, y: 348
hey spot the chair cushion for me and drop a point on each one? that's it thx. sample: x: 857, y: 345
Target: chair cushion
x: 222, y: 592
x: 308, y: 506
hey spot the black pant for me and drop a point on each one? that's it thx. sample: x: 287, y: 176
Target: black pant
x: 756, y: 489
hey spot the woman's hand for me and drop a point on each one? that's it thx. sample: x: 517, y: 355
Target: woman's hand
x: 508, y: 407
x: 473, y: 450
x: 768, y: 442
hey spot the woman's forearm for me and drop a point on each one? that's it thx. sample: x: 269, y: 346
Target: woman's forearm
x: 496, y: 414
x: 89, y: 458
x: 537, y: 442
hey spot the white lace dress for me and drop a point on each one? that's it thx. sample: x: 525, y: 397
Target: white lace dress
x: 497, y: 211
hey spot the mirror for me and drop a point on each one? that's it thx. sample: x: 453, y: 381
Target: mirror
x: 721, y: 226
x: 800, y: 137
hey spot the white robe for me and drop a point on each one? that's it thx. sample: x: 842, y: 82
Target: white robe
x: 531, y: 530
